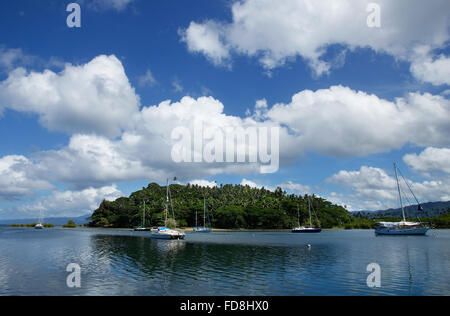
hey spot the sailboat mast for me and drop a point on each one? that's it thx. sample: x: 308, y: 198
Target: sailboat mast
x: 298, y: 215
x: 143, y: 217
x: 399, y: 193
x: 204, y: 212
x: 167, y: 199
x: 309, y: 208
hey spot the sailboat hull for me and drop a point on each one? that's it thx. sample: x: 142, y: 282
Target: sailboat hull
x: 167, y: 237
x: 202, y: 230
x: 422, y: 231
x: 307, y: 231
x: 303, y: 229
x: 142, y: 229
x: 166, y: 233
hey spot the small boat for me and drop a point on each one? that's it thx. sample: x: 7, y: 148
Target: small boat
x: 166, y: 232
x: 142, y: 228
x: 200, y: 229
x: 402, y: 228
x: 306, y: 230
x: 39, y: 225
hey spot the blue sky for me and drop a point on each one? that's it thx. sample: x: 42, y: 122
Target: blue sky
x: 365, y: 97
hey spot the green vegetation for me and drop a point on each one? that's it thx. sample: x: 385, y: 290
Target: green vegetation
x: 70, y: 224
x: 32, y: 225
x: 442, y: 221
x: 360, y: 223
x: 229, y: 207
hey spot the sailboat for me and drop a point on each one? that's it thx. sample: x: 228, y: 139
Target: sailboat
x: 203, y: 229
x: 166, y: 232
x: 39, y: 225
x: 142, y: 228
x: 402, y: 228
x: 305, y: 230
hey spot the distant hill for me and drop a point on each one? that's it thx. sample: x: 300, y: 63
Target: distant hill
x: 431, y: 209
x: 57, y: 221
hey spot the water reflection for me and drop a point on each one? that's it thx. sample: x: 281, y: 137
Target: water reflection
x: 179, y: 267
x: 238, y: 264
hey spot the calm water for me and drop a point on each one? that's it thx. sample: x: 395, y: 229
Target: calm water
x: 245, y: 264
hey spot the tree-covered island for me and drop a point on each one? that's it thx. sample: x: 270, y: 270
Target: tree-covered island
x: 230, y: 207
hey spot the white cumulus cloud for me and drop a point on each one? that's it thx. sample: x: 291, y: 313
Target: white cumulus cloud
x: 374, y: 189
x: 204, y: 183
x: 435, y: 70
x: 92, y: 98
x: 430, y: 160
x: 342, y: 122
x: 206, y: 39
x: 278, y: 31
x: 69, y: 203
x: 15, y: 180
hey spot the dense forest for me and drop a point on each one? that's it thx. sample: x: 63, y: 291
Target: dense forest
x: 235, y: 207
x: 228, y: 207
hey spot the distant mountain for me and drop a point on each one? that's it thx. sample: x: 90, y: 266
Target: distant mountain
x: 431, y: 209
x: 57, y: 221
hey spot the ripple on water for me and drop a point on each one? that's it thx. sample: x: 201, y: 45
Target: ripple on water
x: 124, y: 263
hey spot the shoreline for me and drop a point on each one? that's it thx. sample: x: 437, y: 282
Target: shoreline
x: 231, y: 230
x: 188, y: 229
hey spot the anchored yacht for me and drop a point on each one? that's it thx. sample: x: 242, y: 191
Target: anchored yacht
x: 404, y: 227
x: 310, y: 229
x: 204, y: 228
x: 40, y: 225
x: 142, y: 228
x: 166, y: 232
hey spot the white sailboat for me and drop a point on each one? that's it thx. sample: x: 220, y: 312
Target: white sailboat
x: 166, y: 232
x: 203, y: 229
x: 402, y: 228
x: 310, y: 229
x: 39, y: 225
x: 142, y: 228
